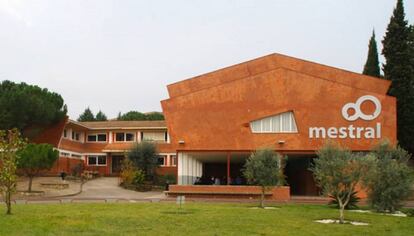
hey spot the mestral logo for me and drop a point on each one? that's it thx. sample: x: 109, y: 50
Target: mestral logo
x: 351, y: 131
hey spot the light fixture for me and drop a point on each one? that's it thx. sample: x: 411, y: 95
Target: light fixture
x: 281, y: 142
x: 181, y: 142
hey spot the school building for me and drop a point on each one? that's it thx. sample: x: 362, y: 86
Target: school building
x: 214, y: 122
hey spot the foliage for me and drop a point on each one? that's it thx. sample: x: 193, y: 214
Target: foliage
x: 264, y: 168
x: 409, y: 212
x: 399, y: 69
x: 352, y: 204
x: 35, y: 158
x: 100, y: 116
x: 87, y: 115
x: 130, y: 174
x: 136, y: 115
x: 10, y: 144
x: 77, y: 170
x: 391, y: 179
x: 144, y: 157
x: 139, y: 177
x: 337, y: 171
x: 166, y: 179
x: 372, y: 67
x: 23, y: 106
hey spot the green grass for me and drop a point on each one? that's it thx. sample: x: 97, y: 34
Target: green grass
x: 195, y: 219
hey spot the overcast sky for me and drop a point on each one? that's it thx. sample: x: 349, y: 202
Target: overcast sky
x: 120, y: 55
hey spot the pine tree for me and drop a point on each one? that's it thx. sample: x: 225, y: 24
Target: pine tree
x: 372, y: 67
x: 100, y: 116
x: 87, y: 115
x: 400, y: 71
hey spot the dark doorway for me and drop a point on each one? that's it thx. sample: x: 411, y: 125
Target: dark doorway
x: 117, y: 164
x: 299, y: 177
x: 219, y: 170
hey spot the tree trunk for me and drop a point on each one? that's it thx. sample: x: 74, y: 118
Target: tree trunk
x: 30, y: 183
x: 341, y: 214
x: 8, y: 202
x: 262, y: 197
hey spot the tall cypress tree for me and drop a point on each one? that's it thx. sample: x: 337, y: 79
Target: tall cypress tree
x: 399, y: 70
x: 372, y: 67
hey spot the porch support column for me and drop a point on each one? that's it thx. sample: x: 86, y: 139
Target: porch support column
x: 228, y: 168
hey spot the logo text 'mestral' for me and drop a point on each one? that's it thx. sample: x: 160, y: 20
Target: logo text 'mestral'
x: 351, y: 131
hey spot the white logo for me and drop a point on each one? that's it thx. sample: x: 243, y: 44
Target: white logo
x: 357, y: 108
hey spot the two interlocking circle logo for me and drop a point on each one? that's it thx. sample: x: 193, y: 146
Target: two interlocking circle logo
x: 357, y: 108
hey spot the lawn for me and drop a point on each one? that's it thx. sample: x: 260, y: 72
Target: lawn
x: 194, y: 219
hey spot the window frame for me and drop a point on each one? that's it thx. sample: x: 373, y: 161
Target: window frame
x: 96, y: 135
x: 96, y: 157
x: 165, y: 161
x: 292, y: 124
x: 124, y: 137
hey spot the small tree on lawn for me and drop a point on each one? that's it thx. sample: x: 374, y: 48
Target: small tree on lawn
x: 35, y: 158
x: 144, y: 156
x: 391, y: 180
x: 264, y: 168
x: 337, y: 171
x: 10, y: 144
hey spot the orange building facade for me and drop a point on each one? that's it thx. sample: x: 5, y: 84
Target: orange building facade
x: 287, y: 104
x: 216, y: 120
x: 101, y: 146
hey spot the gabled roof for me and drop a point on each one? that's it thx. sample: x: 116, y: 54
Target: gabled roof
x: 274, y: 61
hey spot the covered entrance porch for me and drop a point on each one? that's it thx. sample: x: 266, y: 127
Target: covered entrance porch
x: 211, y: 168
x: 226, y: 168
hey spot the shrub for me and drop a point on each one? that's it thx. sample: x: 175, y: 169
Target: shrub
x: 127, y: 173
x: 76, y: 171
x: 166, y: 179
x: 139, y: 177
x: 391, y: 178
x: 144, y: 156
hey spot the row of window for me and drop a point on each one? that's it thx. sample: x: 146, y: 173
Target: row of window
x: 120, y: 136
x: 163, y: 160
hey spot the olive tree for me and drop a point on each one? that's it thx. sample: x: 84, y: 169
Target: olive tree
x: 264, y: 168
x: 10, y: 143
x: 35, y: 158
x: 391, y: 178
x: 338, y: 171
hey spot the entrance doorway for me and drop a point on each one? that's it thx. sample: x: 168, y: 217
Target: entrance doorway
x: 299, y: 177
x: 117, y: 164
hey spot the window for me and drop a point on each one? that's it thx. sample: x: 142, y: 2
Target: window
x: 96, y: 160
x: 75, y: 136
x: 162, y: 160
x: 129, y: 137
x: 65, y: 133
x: 121, y: 137
x: 154, y: 136
x: 281, y: 123
x: 173, y: 160
x: 76, y: 156
x: 64, y: 154
x: 97, y: 138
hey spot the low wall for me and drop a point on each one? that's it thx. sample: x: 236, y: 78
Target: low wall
x: 281, y: 193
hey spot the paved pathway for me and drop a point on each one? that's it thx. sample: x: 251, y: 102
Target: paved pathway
x: 108, y: 188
